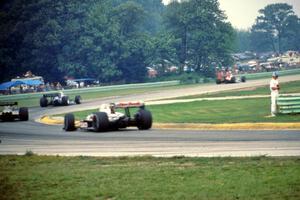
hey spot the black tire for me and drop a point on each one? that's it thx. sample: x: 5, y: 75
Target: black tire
x: 7, y: 118
x: 56, y: 102
x: 100, y: 122
x: 23, y: 114
x: 65, y: 100
x: 69, y: 122
x: 43, y: 102
x: 218, y: 81
x: 78, y: 99
x: 243, y: 79
x: 143, y: 119
x: 233, y: 80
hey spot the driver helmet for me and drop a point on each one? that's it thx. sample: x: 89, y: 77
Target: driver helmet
x: 275, y: 74
x: 112, y: 107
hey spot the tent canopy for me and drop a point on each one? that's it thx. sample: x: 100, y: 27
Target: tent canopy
x: 32, y: 82
x: 9, y: 84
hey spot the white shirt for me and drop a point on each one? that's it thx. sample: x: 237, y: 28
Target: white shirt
x: 274, y: 83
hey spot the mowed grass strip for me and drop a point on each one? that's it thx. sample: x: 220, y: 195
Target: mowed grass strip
x: 216, y: 111
x: 219, y: 111
x: 35, y: 101
x: 286, y: 88
x: 42, y: 177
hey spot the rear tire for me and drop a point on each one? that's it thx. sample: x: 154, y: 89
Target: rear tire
x: 78, y: 99
x: 233, y: 80
x: 43, y: 102
x: 144, y: 119
x: 69, y: 122
x: 100, y: 122
x: 243, y: 79
x: 218, y: 81
x: 23, y: 114
x: 7, y: 118
x: 65, y: 100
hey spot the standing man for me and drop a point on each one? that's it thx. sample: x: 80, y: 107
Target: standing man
x: 274, y: 87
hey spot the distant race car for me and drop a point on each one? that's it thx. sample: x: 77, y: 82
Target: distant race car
x: 10, y: 112
x: 58, y: 99
x: 108, y: 119
x: 228, y: 77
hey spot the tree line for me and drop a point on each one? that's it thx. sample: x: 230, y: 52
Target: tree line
x: 118, y: 40
x: 111, y: 40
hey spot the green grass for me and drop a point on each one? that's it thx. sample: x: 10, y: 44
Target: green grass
x: 41, y: 177
x: 286, y: 88
x: 34, y: 101
x: 31, y: 101
x: 221, y: 111
x: 224, y: 111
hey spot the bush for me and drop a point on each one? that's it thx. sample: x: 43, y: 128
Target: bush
x: 29, y: 153
x: 189, y: 78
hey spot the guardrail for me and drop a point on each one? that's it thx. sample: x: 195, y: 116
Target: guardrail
x: 288, y: 104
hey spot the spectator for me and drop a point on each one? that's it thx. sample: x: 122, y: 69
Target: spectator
x: 274, y: 87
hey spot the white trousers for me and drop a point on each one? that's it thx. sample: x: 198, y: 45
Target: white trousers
x: 274, y: 96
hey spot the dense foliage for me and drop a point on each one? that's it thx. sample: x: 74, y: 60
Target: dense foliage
x: 242, y: 42
x: 111, y: 40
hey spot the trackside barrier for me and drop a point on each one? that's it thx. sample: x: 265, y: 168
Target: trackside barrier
x: 288, y: 104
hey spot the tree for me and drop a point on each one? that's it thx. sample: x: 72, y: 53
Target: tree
x: 111, y: 40
x: 205, y: 36
x: 163, y: 52
x: 129, y: 16
x: 274, y: 24
x: 243, y: 41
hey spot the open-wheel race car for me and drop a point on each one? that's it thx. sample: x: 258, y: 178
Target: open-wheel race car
x: 108, y: 119
x: 228, y: 77
x: 10, y: 111
x: 58, y: 99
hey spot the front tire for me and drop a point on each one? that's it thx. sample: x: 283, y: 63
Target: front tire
x: 69, y: 122
x: 100, y: 122
x: 23, y: 114
x: 65, y: 100
x: 43, y: 102
x: 144, y: 119
x: 78, y: 99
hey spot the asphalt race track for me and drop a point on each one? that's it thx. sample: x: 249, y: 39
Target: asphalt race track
x: 19, y: 137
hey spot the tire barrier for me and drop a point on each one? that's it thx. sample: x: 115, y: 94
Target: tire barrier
x: 288, y: 104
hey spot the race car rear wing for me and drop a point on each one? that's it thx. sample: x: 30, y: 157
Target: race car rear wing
x: 51, y: 94
x: 9, y: 103
x: 130, y: 105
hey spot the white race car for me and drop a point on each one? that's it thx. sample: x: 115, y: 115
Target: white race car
x: 108, y: 119
x: 10, y: 112
x: 58, y: 99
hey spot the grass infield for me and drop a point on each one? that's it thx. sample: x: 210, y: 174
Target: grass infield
x: 220, y: 111
x: 49, y: 177
x: 216, y: 112
x: 290, y: 87
x: 35, y: 101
